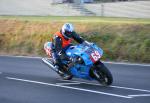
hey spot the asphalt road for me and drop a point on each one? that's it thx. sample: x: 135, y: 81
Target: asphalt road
x: 28, y: 80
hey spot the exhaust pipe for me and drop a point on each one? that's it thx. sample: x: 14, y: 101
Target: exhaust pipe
x: 49, y: 63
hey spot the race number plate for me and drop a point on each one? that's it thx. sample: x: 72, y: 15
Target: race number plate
x: 95, y: 56
x: 48, y: 52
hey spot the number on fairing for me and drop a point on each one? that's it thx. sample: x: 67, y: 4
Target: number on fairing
x: 95, y: 55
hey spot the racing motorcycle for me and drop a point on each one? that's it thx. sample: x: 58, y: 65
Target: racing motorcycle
x: 84, y: 63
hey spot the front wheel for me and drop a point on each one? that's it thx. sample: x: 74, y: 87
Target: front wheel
x: 102, y: 74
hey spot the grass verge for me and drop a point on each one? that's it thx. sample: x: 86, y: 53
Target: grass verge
x: 121, y: 38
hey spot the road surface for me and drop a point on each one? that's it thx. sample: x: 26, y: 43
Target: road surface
x: 28, y: 80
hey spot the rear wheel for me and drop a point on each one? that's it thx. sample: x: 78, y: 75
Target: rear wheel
x: 66, y: 75
x: 102, y: 74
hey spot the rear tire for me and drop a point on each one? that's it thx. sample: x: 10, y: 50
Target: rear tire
x: 66, y: 77
x: 102, y: 74
x: 66, y: 74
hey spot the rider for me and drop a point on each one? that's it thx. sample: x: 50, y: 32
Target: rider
x: 62, y: 40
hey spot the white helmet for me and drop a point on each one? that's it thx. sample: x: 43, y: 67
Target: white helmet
x: 67, y: 30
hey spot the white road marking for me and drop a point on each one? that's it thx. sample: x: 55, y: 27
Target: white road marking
x: 142, y: 90
x: 30, y: 57
x: 67, y: 83
x: 122, y: 63
x: 80, y: 89
x: 140, y: 95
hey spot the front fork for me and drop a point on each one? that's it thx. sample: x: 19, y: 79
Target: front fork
x: 93, y: 71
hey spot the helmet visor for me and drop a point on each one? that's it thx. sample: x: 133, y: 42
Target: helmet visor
x: 68, y: 34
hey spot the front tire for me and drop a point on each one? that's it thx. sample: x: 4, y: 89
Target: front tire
x: 102, y: 74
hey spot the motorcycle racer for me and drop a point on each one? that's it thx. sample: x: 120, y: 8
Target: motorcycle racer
x: 62, y: 40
